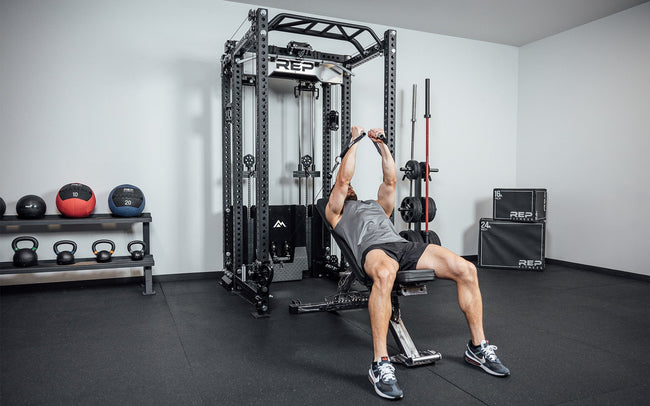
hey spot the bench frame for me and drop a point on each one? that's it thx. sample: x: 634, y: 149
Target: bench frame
x: 407, y: 283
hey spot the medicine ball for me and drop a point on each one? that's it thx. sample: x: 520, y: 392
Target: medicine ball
x: 126, y: 201
x: 3, y: 207
x: 75, y: 200
x: 30, y: 207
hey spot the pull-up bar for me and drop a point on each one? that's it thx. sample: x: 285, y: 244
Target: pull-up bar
x: 317, y: 27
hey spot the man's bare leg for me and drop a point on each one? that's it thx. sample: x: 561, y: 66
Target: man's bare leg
x: 448, y: 265
x: 382, y: 269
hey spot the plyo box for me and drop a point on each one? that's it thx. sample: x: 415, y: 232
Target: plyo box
x: 509, y: 244
x: 526, y: 205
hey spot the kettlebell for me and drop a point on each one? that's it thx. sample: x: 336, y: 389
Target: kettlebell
x: 137, y: 255
x: 65, y: 257
x: 103, y: 256
x: 24, y: 257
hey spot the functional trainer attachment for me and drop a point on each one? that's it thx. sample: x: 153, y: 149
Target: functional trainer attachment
x: 250, y: 62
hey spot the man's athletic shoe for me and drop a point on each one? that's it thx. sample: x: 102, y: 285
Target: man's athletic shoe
x: 382, y: 376
x: 484, y: 357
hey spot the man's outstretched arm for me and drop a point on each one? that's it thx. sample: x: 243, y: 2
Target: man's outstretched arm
x: 334, y: 208
x: 386, y: 193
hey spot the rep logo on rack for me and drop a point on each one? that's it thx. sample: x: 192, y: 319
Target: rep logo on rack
x: 297, y: 66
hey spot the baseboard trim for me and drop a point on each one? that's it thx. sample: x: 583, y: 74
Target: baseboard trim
x: 583, y: 267
x: 215, y: 275
x: 598, y: 269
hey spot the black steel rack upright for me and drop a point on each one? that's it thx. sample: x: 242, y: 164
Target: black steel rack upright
x: 253, y: 284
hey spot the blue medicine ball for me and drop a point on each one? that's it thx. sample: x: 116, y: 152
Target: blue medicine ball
x: 126, y: 201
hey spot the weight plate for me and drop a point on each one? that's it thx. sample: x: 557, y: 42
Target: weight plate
x: 433, y: 237
x: 411, y: 235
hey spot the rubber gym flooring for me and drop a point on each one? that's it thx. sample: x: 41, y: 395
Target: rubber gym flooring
x: 570, y: 337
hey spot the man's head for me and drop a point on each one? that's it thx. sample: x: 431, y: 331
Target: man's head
x: 351, y: 195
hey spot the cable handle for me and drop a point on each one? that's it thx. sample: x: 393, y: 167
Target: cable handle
x: 382, y: 138
x: 351, y: 143
x: 345, y: 150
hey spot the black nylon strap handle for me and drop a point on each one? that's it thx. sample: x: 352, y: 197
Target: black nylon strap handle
x: 351, y: 143
x: 345, y: 151
x: 382, y: 137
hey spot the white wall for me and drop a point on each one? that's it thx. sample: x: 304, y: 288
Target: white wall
x: 111, y: 92
x: 584, y: 133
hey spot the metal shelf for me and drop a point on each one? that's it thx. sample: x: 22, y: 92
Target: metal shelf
x: 7, y: 224
x: 81, y: 264
x: 51, y: 219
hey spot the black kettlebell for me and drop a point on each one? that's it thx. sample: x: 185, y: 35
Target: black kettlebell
x: 24, y: 257
x: 103, y: 256
x: 137, y: 255
x: 65, y: 257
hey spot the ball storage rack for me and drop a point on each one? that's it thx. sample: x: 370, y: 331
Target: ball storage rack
x: 57, y: 223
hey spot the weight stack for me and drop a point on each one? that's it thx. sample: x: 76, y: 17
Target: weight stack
x: 510, y: 244
x: 519, y: 204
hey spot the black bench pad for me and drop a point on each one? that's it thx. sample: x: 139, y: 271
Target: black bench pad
x: 408, y: 276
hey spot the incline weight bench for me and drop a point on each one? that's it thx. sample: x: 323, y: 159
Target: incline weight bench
x: 407, y: 283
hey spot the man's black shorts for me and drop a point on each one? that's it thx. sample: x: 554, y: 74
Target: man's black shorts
x: 406, y: 253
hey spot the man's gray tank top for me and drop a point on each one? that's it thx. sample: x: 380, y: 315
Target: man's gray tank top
x: 364, y: 223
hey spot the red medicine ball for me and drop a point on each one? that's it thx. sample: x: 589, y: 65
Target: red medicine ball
x: 75, y: 200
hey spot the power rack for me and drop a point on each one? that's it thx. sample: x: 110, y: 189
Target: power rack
x: 249, y: 259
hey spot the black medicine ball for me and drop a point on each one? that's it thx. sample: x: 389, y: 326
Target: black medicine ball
x: 3, y: 207
x: 30, y: 207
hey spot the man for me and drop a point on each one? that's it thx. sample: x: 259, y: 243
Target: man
x: 366, y: 227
